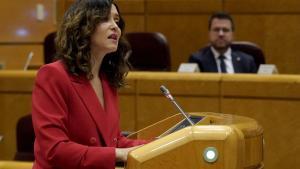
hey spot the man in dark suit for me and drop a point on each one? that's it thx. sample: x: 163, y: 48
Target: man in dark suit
x: 218, y: 56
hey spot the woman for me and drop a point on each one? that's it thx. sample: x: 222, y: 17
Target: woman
x: 74, y: 103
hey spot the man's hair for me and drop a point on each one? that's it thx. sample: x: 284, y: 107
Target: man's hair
x: 221, y: 15
x: 73, y: 41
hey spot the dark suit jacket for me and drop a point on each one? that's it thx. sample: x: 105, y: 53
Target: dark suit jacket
x: 73, y: 130
x: 242, y: 62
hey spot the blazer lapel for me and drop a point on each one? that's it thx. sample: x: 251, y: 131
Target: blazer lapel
x: 111, y: 110
x: 211, y: 62
x: 236, y: 61
x: 89, y: 98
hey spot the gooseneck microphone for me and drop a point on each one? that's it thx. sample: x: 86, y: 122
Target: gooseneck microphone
x: 166, y: 92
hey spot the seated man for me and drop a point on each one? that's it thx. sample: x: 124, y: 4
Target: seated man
x: 219, y: 57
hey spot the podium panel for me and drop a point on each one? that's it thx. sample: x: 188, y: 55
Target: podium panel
x: 217, y: 141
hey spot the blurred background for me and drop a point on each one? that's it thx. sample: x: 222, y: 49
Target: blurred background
x: 272, y: 25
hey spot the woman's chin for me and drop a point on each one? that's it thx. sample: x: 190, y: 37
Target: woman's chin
x: 112, y: 49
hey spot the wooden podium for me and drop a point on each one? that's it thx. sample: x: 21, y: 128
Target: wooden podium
x: 217, y: 141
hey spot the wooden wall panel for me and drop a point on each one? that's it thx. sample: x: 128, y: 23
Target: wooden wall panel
x: 10, y: 104
x: 281, y: 127
x: 250, y: 28
x: 127, y: 113
x: 180, y: 83
x: 262, y: 86
x: 19, y: 23
x: 127, y: 102
x: 193, y: 92
x: 21, y: 32
x: 134, y: 23
x: 262, y: 6
x: 11, y: 80
x: 185, y: 34
x: 277, y: 35
x: 132, y: 6
x: 270, y: 24
x: 282, y: 42
x: 183, y: 6
x: 274, y: 102
x: 15, y: 56
x: 15, y: 102
x: 153, y: 108
x: 126, y: 7
x: 61, y: 7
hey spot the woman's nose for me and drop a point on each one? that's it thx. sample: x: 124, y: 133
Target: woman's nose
x: 114, y: 25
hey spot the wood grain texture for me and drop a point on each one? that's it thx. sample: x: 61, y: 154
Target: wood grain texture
x: 259, y: 86
x: 134, y: 23
x: 183, y: 6
x: 281, y: 127
x: 131, y: 6
x: 183, y: 149
x: 22, y: 165
x: 262, y: 6
x: 15, y: 102
x: 15, y: 164
x: 19, y: 23
x: 185, y: 33
x: 128, y: 112
x: 14, y: 56
x: 271, y: 100
x: 273, y: 25
x: 277, y: 35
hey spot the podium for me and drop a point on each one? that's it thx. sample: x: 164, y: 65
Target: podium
x: 216, y: 141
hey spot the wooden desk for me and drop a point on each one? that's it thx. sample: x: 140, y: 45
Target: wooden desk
x: 20, y: 165
x: 274, y: 101
x: 237, y: 141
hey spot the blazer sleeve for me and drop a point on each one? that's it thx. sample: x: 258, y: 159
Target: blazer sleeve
x: 50, y: 117
x: 253, y: 67
x: 250, y: 64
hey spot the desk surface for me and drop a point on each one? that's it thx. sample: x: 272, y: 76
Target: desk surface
x: 21, y: 165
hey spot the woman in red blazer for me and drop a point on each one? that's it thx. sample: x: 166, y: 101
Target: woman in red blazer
x: 74, y: 101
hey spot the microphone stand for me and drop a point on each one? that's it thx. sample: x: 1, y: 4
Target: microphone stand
x: 166, y: 92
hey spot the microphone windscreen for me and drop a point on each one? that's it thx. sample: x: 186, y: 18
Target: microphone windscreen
x: 164, y: 90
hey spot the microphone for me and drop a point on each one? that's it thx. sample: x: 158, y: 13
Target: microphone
x: 166, y: 92
x: 28, y: 60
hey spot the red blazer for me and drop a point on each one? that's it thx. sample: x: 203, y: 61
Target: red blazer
x: 73, y: 130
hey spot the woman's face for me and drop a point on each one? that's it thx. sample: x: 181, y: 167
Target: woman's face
x: 107, y: 34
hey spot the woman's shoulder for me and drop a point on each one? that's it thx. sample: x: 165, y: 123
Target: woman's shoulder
x: 54, y: 70
x: 58, y: 65
x: 53, y: 77
x: 54, y: 66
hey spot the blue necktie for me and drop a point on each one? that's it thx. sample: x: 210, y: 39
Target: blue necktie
x: 222, y: 65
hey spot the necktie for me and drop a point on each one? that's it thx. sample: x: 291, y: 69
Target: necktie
x: 222, y: 65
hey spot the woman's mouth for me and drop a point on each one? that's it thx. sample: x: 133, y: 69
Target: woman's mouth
x: 113, y: 36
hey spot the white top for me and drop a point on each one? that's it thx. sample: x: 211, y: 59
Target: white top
x: 227, y: 60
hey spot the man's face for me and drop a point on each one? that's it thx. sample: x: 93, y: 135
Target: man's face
x: 221, y: 34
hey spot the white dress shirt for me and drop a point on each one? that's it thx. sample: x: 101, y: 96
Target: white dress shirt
x: 227, y: 60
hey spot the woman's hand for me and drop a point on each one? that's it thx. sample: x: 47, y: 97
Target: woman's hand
x: 122, y: 153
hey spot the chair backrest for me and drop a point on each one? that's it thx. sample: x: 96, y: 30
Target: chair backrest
x: 150, y: 51
x: 49, y: 48
x: 250, y: 48
x: 25, y: 139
